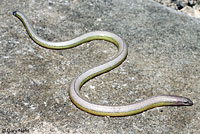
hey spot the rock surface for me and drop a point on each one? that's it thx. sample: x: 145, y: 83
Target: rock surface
x: 164, y: 58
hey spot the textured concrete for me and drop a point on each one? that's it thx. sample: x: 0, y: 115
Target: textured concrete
x: 164, y: 58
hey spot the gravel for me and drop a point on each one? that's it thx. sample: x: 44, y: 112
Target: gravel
x: 179, y: 4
